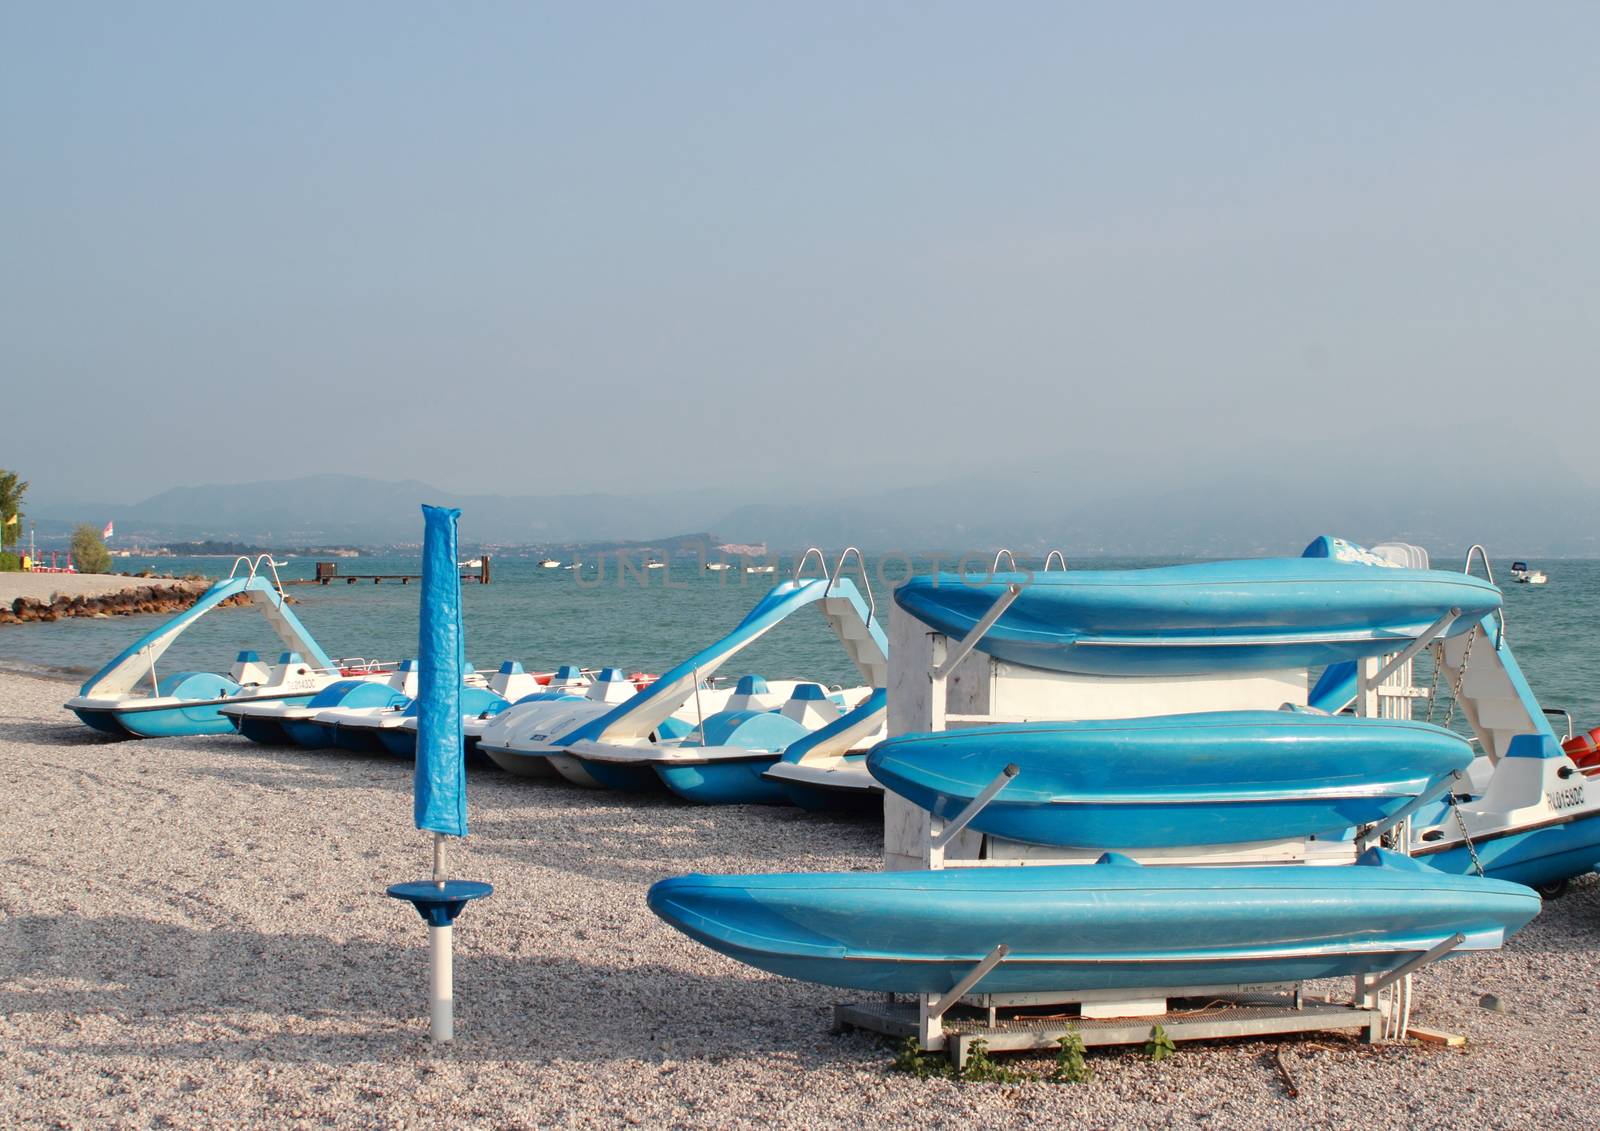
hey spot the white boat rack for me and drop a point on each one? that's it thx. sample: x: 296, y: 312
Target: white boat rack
x: 1373, y: 834
x: 937, y: 683
x: 1409, y: 652
x: 967, y: 643
x: 988, y: 793
x: 1199, y: 1014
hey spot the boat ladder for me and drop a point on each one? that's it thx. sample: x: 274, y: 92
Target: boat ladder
x: 854, y: 624
x: 256, y: 566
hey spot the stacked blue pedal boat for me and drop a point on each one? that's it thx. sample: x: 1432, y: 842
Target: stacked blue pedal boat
x: 1201, y: 797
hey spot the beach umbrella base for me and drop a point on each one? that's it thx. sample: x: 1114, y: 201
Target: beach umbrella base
x: 439, y: 902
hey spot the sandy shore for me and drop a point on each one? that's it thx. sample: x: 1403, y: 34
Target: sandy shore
x: 41, y: 586
x: 193, y: 933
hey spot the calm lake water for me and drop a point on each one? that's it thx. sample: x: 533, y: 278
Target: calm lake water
x: 649, y: 621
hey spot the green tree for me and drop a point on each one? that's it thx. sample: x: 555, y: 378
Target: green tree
x: 89, y: 551
x: 12, y: 488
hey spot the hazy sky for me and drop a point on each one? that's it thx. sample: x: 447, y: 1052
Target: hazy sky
x: 534, y: 247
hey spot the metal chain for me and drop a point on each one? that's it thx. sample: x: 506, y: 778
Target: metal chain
x: 1455, y: 698
x: 1461, y: 675
x: 1433, y: 687
x: 1461, y: 823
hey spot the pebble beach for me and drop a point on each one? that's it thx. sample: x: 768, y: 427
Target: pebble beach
x: 194, y: 933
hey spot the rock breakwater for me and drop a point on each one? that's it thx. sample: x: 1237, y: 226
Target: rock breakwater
x: 158, y: 597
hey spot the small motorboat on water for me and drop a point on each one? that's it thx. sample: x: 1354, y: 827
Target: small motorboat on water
x: 718, y: 567
x: 550, y: 563
x: 1521, y: 574
x: 761, y: 569
x: 1112, y: 925
x: 471, y: 563
x: 128, y: 699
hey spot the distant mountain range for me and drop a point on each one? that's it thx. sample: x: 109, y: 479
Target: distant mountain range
x: 1202, y: 516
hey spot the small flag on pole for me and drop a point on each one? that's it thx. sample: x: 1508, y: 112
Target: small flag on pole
x: 12, y: 521
x: 108, y: 531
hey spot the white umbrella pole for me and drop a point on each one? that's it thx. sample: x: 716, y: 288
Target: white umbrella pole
x: 441, y: 975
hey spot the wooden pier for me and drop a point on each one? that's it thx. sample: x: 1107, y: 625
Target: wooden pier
x: 328, y: 573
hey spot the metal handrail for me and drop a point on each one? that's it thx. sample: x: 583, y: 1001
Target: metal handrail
x: 866, y: 582
x: 255, y: 567
x: 1003, y: 553
x: 277, y: 582
x: 1477, y: 548
x: 800, y: 566
x: 1564, y: 713
x: 1488, y: 569
x: 1055, y: 556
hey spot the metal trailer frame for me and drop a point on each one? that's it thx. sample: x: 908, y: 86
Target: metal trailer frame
x: 1191, y: 1017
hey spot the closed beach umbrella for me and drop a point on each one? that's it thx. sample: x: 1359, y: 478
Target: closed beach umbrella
x: 441, y: 774
x: 440, y: 784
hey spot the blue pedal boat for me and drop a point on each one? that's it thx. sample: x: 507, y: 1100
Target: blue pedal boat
x: 1218, y: 777
x: 1111, y: 925
x: 300, y: 723
x: 1254, y: 615
x: 478, y: 706
x: 723, y: 760
x: 127, y: 699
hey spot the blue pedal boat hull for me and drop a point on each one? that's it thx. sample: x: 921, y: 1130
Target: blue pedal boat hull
x: 262, y: 729
x: 820, y: 799
x: 1108, y: 926
x: 357, y: 740
x: 1254, y: 615
x: 188, y: 704
x: 178, y: 721
x: 103, y: 720
x: 306, y: 734
x: 402, y: 743
x: 1546, y: 854
x: 1219, y: 777
x: 729, y: 781
x: 624, y: 777
x: 478, y: 705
